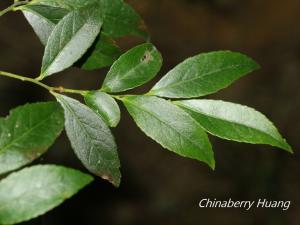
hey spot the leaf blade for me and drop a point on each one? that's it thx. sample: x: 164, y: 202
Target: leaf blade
x: 66, y: 4
x: 134, y: 68
x: 105, y: 106
x: 43, y: 19
x: 102, y: 54
x: 234, y: 122
x: 171, y: 127
x: 46, y: 187
x: 204, y: 74
x: 27, y: 133
x: 119, y: 18
x: 91, y: 140
x: 69, y: 40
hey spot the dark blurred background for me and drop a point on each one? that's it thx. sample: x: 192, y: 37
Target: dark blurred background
x: 159, y: 187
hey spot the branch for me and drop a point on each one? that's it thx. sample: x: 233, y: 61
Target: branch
x: 13, y: 6
x: 49, y: 88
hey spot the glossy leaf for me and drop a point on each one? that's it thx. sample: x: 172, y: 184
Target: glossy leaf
x: 33, y: 191
x: 102, y: 54
x: 91, y: 139
x: 171, y: 127
x: 105, y: 106
x: 234, y: 122
x: 69, y: 40
x: 134, y: 68
x: 204, y: 74
x: 120, y: 19
x: 27, y: 133
x: 43, y: 19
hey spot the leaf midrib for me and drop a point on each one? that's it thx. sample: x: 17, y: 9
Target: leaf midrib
x: 76, y: 117
x: 191, y: 141
x: 45, y: 71
x: 127, y: 74
x: 24, y: 134
x: 196, y: 78
x: 230, y: 121
x: 81, y: 125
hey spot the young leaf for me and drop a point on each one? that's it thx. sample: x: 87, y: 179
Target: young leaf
x: 69, y: 40
x: 33, y: 191
x: 43, y: 19
x: 204, y: 74
x: 171, y: 127
x: 27, y: 133
x: 234, y: 122
x: 91, y: 139
x: 102, y: 54
x: 132, y: 69
x: 104, y: 105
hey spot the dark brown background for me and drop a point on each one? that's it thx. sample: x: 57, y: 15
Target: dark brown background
x: 158, y: 186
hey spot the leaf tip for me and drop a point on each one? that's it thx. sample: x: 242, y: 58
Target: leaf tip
x: 255, y: 65
x: 285, y: 146
x: 114, y: 181
x: 212, y: 164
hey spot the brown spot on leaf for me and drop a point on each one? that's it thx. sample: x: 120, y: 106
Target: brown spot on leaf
x: 147, y: 57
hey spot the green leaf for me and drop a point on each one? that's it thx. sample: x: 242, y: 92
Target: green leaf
x: 33, y: 191
x: 105, y: 106
x: 69, y: 40
x: 102, y: 54
x: 132, y: 69
x: 43, y: 15
x: 171, y: 127
x: 43, y: 19
x: 67, y: 4
x: 119, y: 18
x: 91, y: 139
x: 27, y: 133
x: 234, y: 122
x: 204, y: 74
